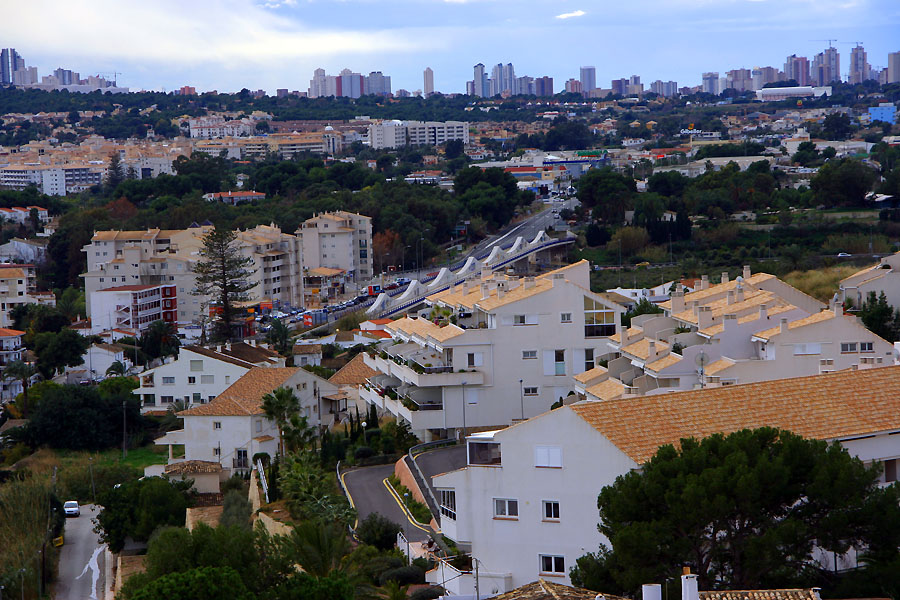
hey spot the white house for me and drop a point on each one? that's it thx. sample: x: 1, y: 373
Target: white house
x: 233, y: 427
x: 99, y: 357
x: 883, y: 277
x: 10, y: 351
x: 502, y: 349
x: 198, y: 374
x: 307, y: 354
x: 529, y: 492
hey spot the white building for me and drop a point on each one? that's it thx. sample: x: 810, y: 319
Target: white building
x: 132, y: 306
x: 100, y: 357
x: 396, y: 134
x: 18, y: 285
x: 338, y: 240
x: 530, y: 491
x: 882, y: 277
x: 197, y: 375
x: 233, y: 427
x: 10, y: 351
x: 24, y: 250
x: 509, y: 356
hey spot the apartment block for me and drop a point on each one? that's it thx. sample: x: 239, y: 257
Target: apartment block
x: 132, y: 306
x: 503, y: 349
x: 395, y: 134
x: 338, y: 240
x: 18, y: 285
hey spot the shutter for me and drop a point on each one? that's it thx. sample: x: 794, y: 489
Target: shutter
x: 531, y: 319
x: 479, y: 359
x: 472, y: 396
x: 506, y: 320
x: 555, y: 456
x: 549, y: 363
x: 541, y: 456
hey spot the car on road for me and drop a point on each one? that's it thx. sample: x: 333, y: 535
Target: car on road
x: 643, y: 264
x: 402, y: 281
x: 392, y: 286
x: 71, y: 508
x: 844, y: 255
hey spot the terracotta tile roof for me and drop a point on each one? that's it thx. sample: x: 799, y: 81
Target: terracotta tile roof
x: 354, y: 372
x: 770, y: 312
x: 244, y: 396
x: 379, y: 321
x: 10, y: 272
x: 4, y: 332
x: 752, y: 301
x: 252, y: 354
x: 546, y: 590
x: 786, y: 594
x: 641, y: 348
x: 632, y: 332
x: 191, y: 467
x: 666, y: 361
x: 308, y: 349
x: 718, y: 366
x: 218, y: 356
x: 324, y: 272
x: 264, y: 438
x: 588, y: 375
x: 607, y: 390
x: 615, y: 298
x: 825, y: 315
x: 424, y: 329
x: 719, y: 288
x: 826, y: 407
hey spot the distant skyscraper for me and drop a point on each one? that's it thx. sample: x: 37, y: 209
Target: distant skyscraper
x: 588, y: 79
x: 543, y: 86
x: 739, y: 79
x: 826, y: 67
x: 377, y: 83
x: 893, y: 68
x: 525, y: 86
x: 860, y: 70
x: 797, y: 68
x: 66, y: 77
x: 573, y: 86
x: 10, y: 62
x: 619, y: 86
x: 429, y: 82
x: 664, y: 88
x: 763, y: 75
x: 480, y: 81
x: 710, y: 83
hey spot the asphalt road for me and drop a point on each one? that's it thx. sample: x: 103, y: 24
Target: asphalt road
x: 81, y: 562
x: 370, y: 495
x: 442, y: 460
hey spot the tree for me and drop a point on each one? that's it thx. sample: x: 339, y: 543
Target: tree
x: 71, y: 303
x: 24, y: 372
x: 281, y: 337
x: 607, y: 193
x: 160, y: 339
x: 223, y: 275
x: 279, y: 406
x: 843, y: 183
x: 453, y: 149
x: 643, y: 307
x: 115, y: 173
x: 202, y: 583
x: 319, y: 547
x: 116, y: 369
x: 379, y: 531
x: 56, y: 351
x: 745, y: 511
x: 136, y: 509
x: 879, y: 317
x: 837, y: 126
x: 236, y: 510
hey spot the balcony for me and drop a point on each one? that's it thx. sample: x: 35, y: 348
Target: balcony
x: 422, y: 371
x: 420, y: 414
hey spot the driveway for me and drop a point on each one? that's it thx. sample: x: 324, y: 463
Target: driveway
x: 367, y: 489
x: 81, y: 562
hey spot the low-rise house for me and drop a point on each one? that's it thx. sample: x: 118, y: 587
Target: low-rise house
x: 307, y: 354
x: 530, y: 491
x: 100, y: 357
x: 882, y: 277
x: 350, y: 378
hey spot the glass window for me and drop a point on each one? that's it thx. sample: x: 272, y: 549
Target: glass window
x: 448, y: 503
x: 565, y: 317
x: 505, y: 507
x: 559, y: 361
x: 531, y: 391
x: 599, y: 321
x: 518, y: 319
x: 217, y: 424
x: 588, y: 359
x: 196, y: 365
x: 484, y: 453
x: 552, y: 564
x: 529, y: 354
x: 866, y: 347
x: 168, y: 380
x: 192, y: 380
x: 551, y: 510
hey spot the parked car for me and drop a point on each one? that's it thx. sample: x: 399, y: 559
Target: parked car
x: 71, y: 509
x: 392, y: 286
x: 402, y: 281
x: 843, y: 255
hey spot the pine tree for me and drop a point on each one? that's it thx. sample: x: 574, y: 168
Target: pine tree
x: 223, y: 275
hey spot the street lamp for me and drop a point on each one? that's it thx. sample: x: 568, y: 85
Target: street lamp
x: 464, y: 409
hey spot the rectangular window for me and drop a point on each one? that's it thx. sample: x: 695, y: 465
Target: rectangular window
x: 196, y: 365
x: 192, y: 380
x: 217, y: 424
x: 599, y: 321
x: 217, y: 451
x: 529, y: 354
x: 866, y: 347
x: 847, y: 347
x: 588, y: 359
x: 197, y: 397
x: 530, y: 391
x: 565, y: 318
x: 505, y: 507
x: 890, y: 470
x: 475, y: 359
x: 484, y: 453
x: 448, y: 503
x: 207, y: 378
x: 559, y: 362
x: 259, y: 426
x: 548, y: 456
x: 167, y: 399
x: 551, y: 510
x: 812, y: 348
x: 518, y: 319
x: 553, y: 564
x: 168, y: 381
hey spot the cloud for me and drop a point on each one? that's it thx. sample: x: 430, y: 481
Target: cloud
x: 570, y: 15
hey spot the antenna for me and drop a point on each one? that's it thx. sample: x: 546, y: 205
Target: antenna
x: 702, y: 360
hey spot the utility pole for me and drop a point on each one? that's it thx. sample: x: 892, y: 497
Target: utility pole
x: 93, y: 489
x: 124, y: 431
x: 477, y: 591
x: 522, y: 398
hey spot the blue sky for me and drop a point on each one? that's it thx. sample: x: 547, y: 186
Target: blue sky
x: 269, y: 44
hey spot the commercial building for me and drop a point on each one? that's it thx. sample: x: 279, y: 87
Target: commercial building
x: 480, y: 85
x: 396, y: 134
x: 783, y: 93
x: 667, y: 89
x: 885, y: 111
x: 710, y: 83
x: 338, y: 240
x: 10, y: 62
x: 860, y: 69
x: 543, y: 86
x: 573, y: 86
x: 893, y: 68
x: 509, y: 355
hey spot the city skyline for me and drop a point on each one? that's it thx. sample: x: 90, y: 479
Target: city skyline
x: 277, y: 44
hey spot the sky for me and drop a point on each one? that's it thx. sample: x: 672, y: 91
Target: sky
x: 227, y: 45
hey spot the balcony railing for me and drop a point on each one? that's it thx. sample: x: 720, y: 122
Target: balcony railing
x: 240, y: 463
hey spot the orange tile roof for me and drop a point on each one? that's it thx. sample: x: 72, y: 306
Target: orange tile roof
x: 424, y: 329
x: 770, y: 312
x: 718, y: 366
x: 825, y: 315
x: 666, y: 361
x: 607, y: 390
x: 641, y: 348
x: 354, y: 372
x: 826, y: 407
x: 719, y: 288
x: 590, y: 374
x: 244, y: 396
x: 4, y: 332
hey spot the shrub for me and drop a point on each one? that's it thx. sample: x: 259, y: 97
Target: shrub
x: 236, y: 510
x: 429, y: 593
x: 379, y: 531
x: 403, y: 575
x: 234, y: 483
x: 363, y: 452
x: 75, y: 480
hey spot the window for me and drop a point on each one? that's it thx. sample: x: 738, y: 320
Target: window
x: 196, y: 365
x: 866, y: 347
x: 530, y: 391
x: 484, y: 453
x: 565, y: 318
x: 553, y: 564
x: 504, y: 507
x: 529, y: 354
x: 259, y: 426
x: 217, y: 424
x: 599, y: 321
x: 551, y: 510
x: 847, y: 347
x: 168, y: 381
x: 448, y: 503
x: 475, y: 359
x: 167, y: 399
x: 207, y: 378
x: 588, y: 359
x: 890, y: 470
x: 228, y: 379
x: 217, y: 451
x: 559, y: 362
x: 801, y: 349
x: 197, y: 397
x: 548, y: 456
x: 518, y: 319
x: 192, y: 380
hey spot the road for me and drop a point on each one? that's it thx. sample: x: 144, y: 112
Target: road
x: 366, y: 487
x: 442, y: 460
x: 81, y: 562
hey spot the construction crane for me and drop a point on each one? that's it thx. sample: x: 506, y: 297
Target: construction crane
x: 114, y: 74
x: 828, y: 40
x: 858, y: 44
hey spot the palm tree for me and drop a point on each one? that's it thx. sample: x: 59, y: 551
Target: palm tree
x: 298, y: 434
x: 281, y: 337
x: 279, y: 406
x: 23, y: 371
x: 116, y: 369
x: 160, y: 339
x: 392, y: 590
x: 319, y: 547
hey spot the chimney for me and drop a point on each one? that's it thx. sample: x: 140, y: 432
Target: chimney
x: 837, y: 307
x: 746, y: 272
x: 485, y: 271
x: 729, y: 322
x: 740, y: 292
x: 219, y: 348
x: 623, y: 335
x: 689, y: 589
x: 704, y: 282
x: 651, y: 591
x: 651, y: 350
x: 529, y: 283
x: 485, y: 292
x: 724, y: 276
x: 704, y: 317
x: 730, y: 297
x: 784, y: 324
x: 228, y: 346
x: 501, y: 291
x: 677, y: 302
x: 763, y: 312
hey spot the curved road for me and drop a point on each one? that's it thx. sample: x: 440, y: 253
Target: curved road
x: 442, y: 460
x: 82, y: 559
x: 369, y: 494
